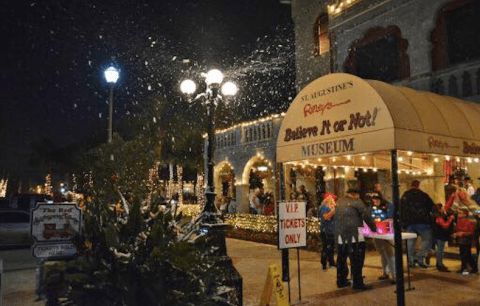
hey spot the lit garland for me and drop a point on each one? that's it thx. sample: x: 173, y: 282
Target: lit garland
x: 48, y: 184
x: 150, y: 184
x: 339, y: 5
x: 170, y: 182
x: 190, y: 210
x: 90, y: 179
x: 244, y: 124
x: 199, y: 192
x: 264, y: 224
x: 3, y: 188
x: 74, y: 182
x: 180, y: 183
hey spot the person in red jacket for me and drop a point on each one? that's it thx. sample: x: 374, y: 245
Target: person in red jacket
x: 443, y: 229
x: 464, y: 234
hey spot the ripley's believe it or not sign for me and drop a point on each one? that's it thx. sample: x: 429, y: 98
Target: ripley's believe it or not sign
x: 341, y: 114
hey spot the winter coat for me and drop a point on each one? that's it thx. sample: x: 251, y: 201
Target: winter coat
x: 416, y: 208
x: 349, y: 216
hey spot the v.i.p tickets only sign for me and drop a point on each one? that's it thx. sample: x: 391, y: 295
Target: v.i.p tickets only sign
x: 292, y: 225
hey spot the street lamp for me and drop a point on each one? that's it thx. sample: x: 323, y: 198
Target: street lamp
x: 210, y: 97
x: 211, y: 223
x: 111, y: 74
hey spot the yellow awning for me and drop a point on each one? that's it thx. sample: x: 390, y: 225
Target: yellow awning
x: 341, y: 114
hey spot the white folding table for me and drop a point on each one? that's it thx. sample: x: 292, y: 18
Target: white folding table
x: 405, y: 236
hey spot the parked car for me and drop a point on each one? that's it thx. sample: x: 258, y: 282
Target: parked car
x: 27, y: 202
x: 4, y: 203
x: 15, y: 228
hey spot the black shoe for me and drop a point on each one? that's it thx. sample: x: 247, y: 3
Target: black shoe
x: 474, y: 271
x: 442, y: 269
x: 383, y: 277
x: 324, y: 267
x: 363, y: 287
x: 421, y: 264
x: 393, y: 281
x: 347, y: 284
x: 332, y: 264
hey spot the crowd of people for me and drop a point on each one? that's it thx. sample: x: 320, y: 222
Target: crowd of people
x: 456, y: 222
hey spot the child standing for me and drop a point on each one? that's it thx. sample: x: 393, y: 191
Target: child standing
x: 464, y: 233
x: 444, y: 227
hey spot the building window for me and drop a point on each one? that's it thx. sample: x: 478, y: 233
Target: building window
x: 380, y: 55
x: 322, y: 40
x: 456, y: 37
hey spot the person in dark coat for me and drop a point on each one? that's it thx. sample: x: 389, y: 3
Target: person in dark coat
x: 417, y: 211
x: 349, y: 217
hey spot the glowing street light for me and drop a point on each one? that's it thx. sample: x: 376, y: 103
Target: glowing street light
x: 111, y: 75
x: 213, y: 80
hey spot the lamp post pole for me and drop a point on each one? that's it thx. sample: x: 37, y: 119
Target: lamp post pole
x: 211, y: 224
x: 111, y: 75
x: 110, y: 115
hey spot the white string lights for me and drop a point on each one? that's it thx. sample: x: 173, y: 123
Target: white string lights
x: 340, y: 5
x: 410, y: 163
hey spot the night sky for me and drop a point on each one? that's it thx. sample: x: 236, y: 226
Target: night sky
x: 53, y: 89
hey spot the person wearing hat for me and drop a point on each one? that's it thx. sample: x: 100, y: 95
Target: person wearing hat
x: 327, y: 226
x: 349, y: 216
x: 382, y: 210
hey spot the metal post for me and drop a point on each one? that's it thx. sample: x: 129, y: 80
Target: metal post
x: 299, y: 281
x: 110, y: 115
x: 397, y: 232
x: 211, y: 222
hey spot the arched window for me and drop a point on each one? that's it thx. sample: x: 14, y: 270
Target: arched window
x: 456, y: 38
x: 380, y: 55
x: 322, y: 39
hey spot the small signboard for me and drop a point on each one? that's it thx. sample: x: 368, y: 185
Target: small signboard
x: 292, y: 225
x: 53, y: 226
x: 53, y: 250
x: 55, y: 222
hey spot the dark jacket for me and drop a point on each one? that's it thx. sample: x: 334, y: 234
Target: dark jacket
x: 416, y: 208
x: 349, y: 216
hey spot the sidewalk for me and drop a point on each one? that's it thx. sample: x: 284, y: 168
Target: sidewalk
x: 318, y: 287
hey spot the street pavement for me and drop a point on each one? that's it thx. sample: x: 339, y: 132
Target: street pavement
x: 318, y: 287
x: 18, y: 277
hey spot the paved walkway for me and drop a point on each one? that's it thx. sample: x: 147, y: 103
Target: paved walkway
x: 317, y: 286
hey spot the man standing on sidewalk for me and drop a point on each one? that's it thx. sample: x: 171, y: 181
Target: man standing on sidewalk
x: 417, y: 211
x: 349, y: 217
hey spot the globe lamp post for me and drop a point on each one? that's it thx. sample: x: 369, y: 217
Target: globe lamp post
x: 111, y: 75
x: 210, y: 222
x: 213, y: 80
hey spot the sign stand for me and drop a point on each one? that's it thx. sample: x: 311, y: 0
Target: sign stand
x: 39, y: 277
x: 292, y: 233
x: 299, y: 283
